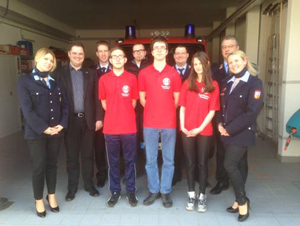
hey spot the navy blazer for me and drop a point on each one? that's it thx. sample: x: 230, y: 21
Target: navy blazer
x: 186, y: 74
x: 92, y: 105
x: 42, y: 107
x: 239, y: 110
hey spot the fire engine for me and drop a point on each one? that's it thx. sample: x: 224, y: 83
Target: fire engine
x: 189, y: 40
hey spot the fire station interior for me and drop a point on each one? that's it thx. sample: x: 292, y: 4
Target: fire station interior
x: 267, y: 31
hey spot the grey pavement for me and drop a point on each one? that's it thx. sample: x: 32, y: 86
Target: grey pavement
x: 273, y: 188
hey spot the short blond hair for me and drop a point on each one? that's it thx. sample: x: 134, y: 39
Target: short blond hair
x: 43, y: 52
x: 242, y: 55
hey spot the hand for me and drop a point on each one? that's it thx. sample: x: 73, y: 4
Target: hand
x: 58, y: 128
x: 50, y: 131
x: 185, y: 131
x: 225, y: 133
x: 98, y: 125
x: 194, y: 132
x: 221, y: 129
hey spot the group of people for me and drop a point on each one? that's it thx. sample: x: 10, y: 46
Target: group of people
x: 97, y: 111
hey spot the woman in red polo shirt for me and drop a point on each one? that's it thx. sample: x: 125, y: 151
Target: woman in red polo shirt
x: 199, y: 99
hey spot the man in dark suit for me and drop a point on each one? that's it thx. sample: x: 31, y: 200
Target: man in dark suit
x: 85, y: 117
x: 102, y: 67
x: 220, y: 72
x: 180, y: 56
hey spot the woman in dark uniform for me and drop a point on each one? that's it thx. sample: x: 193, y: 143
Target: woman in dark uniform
x: 46, y: 115
x: 199, y: 99
x: 241, y: 102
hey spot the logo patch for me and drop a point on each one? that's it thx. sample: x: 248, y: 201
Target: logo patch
x: 166, y: 83
x: 203, y: 96
x: 125, y: 91
x: 257, y: 94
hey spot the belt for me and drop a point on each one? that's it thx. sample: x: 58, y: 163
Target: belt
x: 79, y: 115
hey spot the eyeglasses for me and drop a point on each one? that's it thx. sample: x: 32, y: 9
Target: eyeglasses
x: 156, y: 48
x: 138, y: 51
x: 229, y: 46
x: 182, y: 54
x: 117, y: 57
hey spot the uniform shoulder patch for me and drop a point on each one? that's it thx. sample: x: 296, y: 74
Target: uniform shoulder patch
x: 257, y: 94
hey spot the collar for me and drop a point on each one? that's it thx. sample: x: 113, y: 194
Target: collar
x: 38, y: 78
x: 184, y: 67
x: 106, y: 65
x: 244, y: 78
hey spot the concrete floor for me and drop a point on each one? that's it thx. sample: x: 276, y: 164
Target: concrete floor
x: 273, y: 188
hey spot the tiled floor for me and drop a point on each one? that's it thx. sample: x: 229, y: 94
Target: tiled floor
x: 273, y: 188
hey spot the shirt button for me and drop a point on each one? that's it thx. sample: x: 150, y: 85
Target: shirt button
x: 50, y: 93
x: 50, y: 101
x: 223, y: 115
x: 51, y: 110
x: 52, y: 118
x: 249, y: 128
x: 241, y: 96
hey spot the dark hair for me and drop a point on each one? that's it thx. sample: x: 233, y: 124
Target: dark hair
x: 79, y: 44
x: 137, y: 44
x: 159, y: 39
x: 179, y: 46
x: 206, y: 75
x: 116, y: 48
x: 231, y: 37
x: 101, y: 42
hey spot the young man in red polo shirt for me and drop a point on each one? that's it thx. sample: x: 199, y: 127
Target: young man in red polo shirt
x: 118, y: 93
x: 159, y: 87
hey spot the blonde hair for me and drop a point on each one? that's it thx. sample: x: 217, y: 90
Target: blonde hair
x: 43, y: 52
x: 242, y: 55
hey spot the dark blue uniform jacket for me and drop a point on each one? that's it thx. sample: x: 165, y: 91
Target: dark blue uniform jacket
x: 42, y: 107
x: 239, y: 110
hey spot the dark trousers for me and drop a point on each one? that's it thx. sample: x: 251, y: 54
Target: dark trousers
x: 236, y: 165
x: 196, y: 151
x: 221, y: 173
x: 43, y: 154
x: 178, y: 157
x: 100, y: 155
x: 114, y: 145
x: 79, y: 140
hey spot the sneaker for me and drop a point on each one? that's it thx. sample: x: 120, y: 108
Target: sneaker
x: 202, y: 203
x: 191, y: 201
x: 113, y: 200
x: 132, y: 199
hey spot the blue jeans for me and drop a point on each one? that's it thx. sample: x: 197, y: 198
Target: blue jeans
x: 168, y: 139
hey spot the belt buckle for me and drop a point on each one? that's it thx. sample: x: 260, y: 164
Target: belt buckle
x: 80, y: 115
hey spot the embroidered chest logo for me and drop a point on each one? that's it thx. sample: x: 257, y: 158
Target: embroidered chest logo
x: 125, y: 91
x: 203, y: 95
x: 166, y: 83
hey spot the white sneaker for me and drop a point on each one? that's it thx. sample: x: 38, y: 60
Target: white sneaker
x: 202, y: 207
x: 191, y: 201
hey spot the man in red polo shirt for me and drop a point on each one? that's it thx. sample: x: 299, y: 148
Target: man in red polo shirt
x: 159, y: 86
x: 118, y: 93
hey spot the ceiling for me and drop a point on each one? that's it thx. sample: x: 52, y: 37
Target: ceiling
x: 144, y: 14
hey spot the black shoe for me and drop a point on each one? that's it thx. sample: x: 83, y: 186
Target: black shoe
x: 113, y: 200
x: 40, y: 214
x: 101, y: 183
x: 167, y: 201
x: 219, y: 188
x: 53, y: 209
x: 244, y: 217
x: 132, y: 199
x: 70, y: 195
x: 232, y: 210
x: 93, y: 192
x: 150, y: 199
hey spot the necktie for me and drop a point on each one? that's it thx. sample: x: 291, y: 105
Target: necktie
x: 226, y: 69
x: 103, y: 69
x: 181, y: 72
x: 45, y: 83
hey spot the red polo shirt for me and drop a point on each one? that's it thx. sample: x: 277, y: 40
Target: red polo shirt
x: 160, y: 110
x: 119, y: 91
x: 197, y: 106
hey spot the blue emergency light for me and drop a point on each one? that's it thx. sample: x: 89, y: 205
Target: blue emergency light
x: 189, y: 31
x: 293, y: 125
x: 130, y: 32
